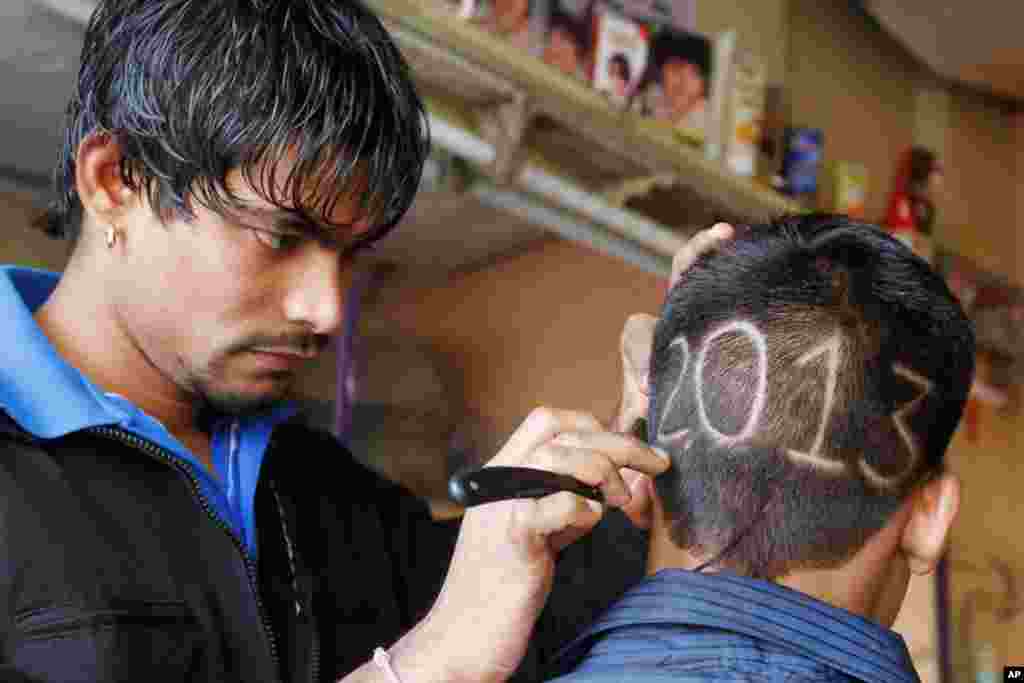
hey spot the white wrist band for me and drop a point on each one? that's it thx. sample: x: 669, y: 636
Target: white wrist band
x: 383, y: 661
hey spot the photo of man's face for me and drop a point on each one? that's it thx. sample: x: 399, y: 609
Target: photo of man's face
x: 562, y: 51
x: 618, y: 72
x: 683, y: 85
x: 511, y: 16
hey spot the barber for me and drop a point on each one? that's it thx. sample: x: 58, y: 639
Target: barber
x: 163, y: 516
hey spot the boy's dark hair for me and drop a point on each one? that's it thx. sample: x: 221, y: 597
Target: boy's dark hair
x: 192, y: 89
x: 804, y: 378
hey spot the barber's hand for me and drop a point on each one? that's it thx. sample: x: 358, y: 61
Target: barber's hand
x: 504, y: 561
x: 635, y: 349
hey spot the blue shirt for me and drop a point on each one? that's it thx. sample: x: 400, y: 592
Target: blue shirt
x: 686, y: 626
x: 50, y: 398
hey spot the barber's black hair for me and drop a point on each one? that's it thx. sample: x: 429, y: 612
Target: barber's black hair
x: 805, y: 377
x: 192, y: 89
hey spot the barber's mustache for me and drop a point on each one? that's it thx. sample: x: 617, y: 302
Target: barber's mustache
x: 299, y: 344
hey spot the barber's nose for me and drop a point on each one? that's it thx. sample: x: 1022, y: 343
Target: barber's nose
x: 317, y: 292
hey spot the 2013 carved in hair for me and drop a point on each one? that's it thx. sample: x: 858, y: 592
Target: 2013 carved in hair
x: 815, y: 455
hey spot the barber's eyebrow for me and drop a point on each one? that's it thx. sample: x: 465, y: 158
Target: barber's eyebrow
x: 290, y: 221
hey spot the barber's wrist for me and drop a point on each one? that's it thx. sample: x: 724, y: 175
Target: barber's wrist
x: 457, y: 646
x: 431, y: 653
x: 410, y: 660
x: 421, y: 656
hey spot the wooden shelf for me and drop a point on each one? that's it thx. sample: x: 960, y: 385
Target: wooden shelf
x: 469, y: 71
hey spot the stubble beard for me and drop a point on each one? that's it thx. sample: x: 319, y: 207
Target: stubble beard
x: 214, y: 396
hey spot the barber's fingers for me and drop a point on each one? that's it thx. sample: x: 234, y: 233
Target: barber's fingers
x: 539, y: 427
x: 622, y: 450
x: 571, y: 443
x: 562, y: 518
x: 701, y: 243
x: 596, y: 458
x: 640, y: 508
x: 589, y: 466
x: 585, y: 514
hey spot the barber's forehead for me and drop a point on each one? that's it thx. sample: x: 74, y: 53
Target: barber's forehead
x: 348, y: 218
x: 283, y: 163
x: 275, y: 176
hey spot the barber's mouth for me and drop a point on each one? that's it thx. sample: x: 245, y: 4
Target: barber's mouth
x: 283, y: 358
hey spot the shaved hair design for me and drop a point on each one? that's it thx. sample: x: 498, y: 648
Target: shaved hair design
x: 805, y: 377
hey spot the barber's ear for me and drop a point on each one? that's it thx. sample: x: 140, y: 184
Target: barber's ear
x: 933, y: 508
x: 635, y: 349
x: 102, y: 191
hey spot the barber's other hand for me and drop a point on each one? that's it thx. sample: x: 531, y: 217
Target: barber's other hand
x: 698, y: 245
x: 638, y: 333
x: 504, y: 560
x: 635, y: 351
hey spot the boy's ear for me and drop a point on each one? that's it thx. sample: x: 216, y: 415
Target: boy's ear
x: 635, y: 351
x: 933, y: 508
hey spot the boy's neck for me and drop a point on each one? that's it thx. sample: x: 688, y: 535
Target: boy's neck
x: 871, y: 584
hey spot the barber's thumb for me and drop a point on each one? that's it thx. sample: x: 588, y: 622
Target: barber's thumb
x: 640, y: 509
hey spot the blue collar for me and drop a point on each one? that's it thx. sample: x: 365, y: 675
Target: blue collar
x: 32, y: 373
x: 49, y: 398
x: 762, y: 610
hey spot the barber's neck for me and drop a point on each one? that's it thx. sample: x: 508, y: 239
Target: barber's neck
x: 80, y: 322
x: 871, y: 584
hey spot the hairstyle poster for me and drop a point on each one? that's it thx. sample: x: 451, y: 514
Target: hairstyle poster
x: 567, y: 39
x: 620, y: 54
x: 675, y: 87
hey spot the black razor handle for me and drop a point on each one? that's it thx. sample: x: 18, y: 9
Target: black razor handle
x: 489, y: 484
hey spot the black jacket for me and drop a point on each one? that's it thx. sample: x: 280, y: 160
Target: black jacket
x: 113, y: 569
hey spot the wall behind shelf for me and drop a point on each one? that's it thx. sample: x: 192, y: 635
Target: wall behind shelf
x: 978, y: 210
x: 858, y: 84
x: 760, y: 26
x: 541, y: 327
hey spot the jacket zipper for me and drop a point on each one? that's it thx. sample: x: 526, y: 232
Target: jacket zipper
x: 161, y: 454
x: 304, y: 614
x: 314, y: 668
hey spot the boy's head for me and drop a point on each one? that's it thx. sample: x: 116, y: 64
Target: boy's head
x: 805, y: 377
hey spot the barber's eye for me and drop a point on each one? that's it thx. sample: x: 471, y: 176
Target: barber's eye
x: 277, y: 241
